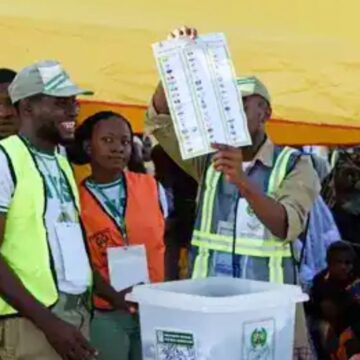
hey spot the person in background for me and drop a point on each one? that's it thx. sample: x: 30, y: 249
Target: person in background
x: 9, y: 122
x: 312, y: 245
x: 320, y: 163
x: 340, y: 273
x: 333, y: 295
x: 120, y: 209
x: 248, y: 193
x: 321, y: 166
x: 181, y: 191
x: 319, y: 151
x: 321, y: 231
x: 335, y: 318
x: 136, y: 162
x: 348, y: 345
x: 341, y: 192
x: 165, y: 173
x: 147, y: 148
x: 142, y: 152
x: 45, y: 277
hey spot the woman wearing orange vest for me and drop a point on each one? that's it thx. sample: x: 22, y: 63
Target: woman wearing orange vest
x: 120, y: 208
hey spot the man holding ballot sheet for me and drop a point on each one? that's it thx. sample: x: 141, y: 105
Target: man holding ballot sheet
x: 253, y: 201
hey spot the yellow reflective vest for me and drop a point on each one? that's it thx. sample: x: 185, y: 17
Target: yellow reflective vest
x: 25, y: 247
x: 206, y: 240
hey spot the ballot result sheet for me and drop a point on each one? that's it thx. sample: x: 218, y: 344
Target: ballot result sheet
x: 200, y: 85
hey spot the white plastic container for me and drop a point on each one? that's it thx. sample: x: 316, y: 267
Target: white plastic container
x: 217, y: 319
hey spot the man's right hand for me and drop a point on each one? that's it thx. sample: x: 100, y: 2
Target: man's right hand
x: 67, y: 341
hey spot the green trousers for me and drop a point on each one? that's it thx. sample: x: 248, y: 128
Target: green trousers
x: 116, y: 335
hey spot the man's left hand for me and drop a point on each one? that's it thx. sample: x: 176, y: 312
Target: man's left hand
x: 229, y: 161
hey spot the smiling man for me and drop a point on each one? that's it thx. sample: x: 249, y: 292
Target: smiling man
x: 45, y: 277
x: 9, y: 123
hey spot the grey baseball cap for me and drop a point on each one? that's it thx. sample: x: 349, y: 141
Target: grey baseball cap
x: 45, y: 77
x: 251, y: 85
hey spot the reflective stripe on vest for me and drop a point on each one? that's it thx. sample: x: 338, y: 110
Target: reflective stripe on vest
x: 334, y: 158
x: 206, y: 241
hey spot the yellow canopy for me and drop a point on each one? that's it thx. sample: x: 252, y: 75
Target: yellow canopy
x: 307, y: 52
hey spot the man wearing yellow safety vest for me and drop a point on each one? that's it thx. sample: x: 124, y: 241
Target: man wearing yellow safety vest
x: 45, y: 274
x: 253, y: 201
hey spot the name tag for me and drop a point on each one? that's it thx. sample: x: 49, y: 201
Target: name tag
x: 247, y: 223
x: 73, y: 253
x: 127, y: 266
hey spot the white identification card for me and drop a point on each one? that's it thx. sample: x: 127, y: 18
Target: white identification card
x: 247, y: 223
x: 127, y: 266
x: 74, y: 257
x: 201, y: 89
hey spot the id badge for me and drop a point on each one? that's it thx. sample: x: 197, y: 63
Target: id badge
x: 247, y: 223
x: 73, y: 254
x: 127, y: 266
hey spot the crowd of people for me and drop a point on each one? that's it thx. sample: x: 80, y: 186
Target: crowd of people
x: 262, y: 212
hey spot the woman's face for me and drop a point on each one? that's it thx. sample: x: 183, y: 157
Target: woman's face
x: 110, y: 145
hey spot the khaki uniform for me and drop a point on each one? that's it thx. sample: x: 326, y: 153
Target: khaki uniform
x: 20, y: 339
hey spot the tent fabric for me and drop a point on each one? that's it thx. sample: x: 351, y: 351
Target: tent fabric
x: 307, y: 52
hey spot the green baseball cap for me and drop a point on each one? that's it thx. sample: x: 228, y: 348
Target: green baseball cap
x: 45, y: 77
x: 251, y: 85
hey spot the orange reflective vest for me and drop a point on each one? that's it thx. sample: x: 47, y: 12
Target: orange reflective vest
x: 144, y: 225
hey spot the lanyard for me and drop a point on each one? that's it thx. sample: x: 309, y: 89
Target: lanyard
x: 64, y: 216
x: 56, y: 185
x: 115, y: 211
